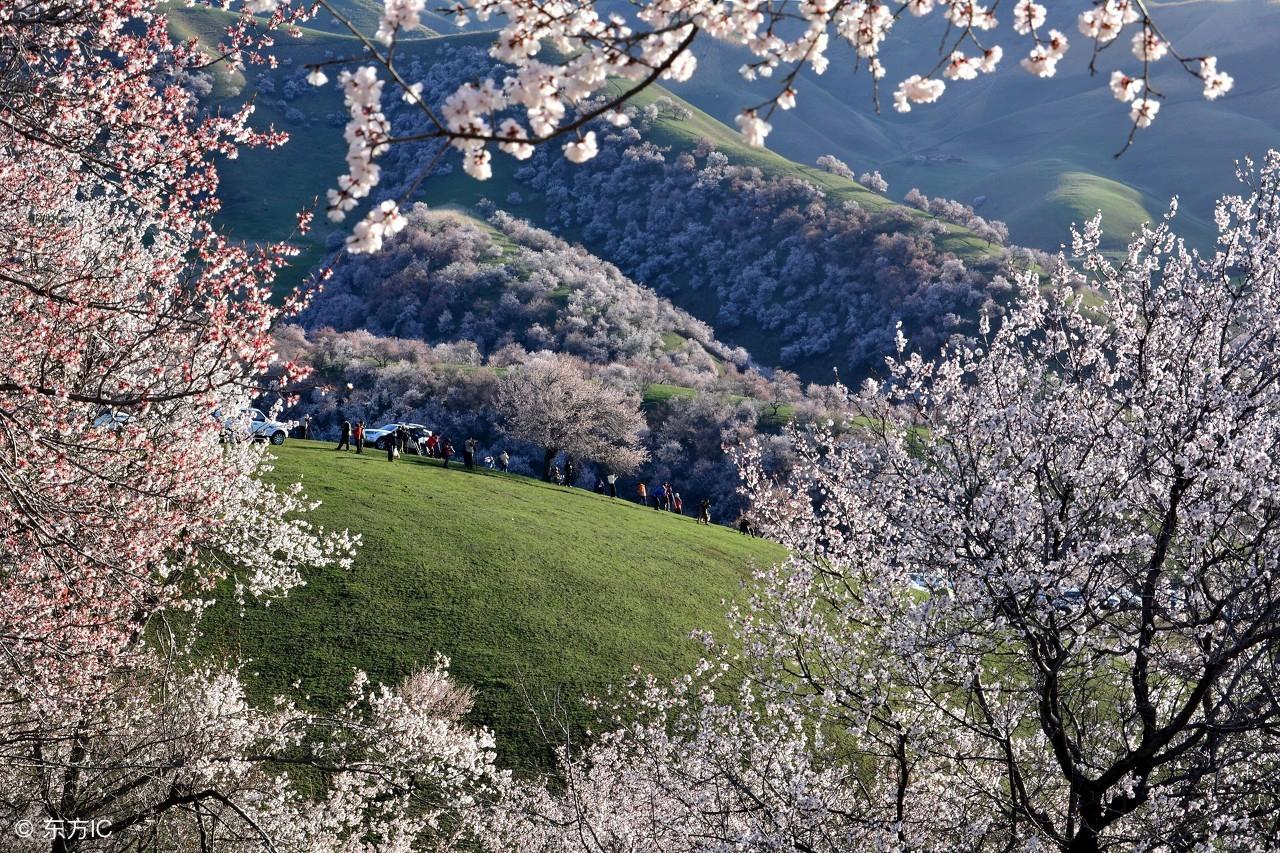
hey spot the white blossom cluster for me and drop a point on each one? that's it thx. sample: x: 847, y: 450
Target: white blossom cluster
x: 543, y: 97
x: 399, y: 15
x: 383, y: 221
x: 393, y: 763
x: 367, y: 133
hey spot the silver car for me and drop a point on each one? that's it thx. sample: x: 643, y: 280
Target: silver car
x: 377, y: 437
x: 253, y: 424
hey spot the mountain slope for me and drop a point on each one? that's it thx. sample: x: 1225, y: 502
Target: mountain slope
x: 1010, y: 138
x: 449, y: 277
x: 527, y: 587
x: 263, y: 189
x: 805, y: 269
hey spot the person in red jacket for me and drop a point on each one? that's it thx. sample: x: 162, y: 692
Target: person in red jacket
x: 359, y: 436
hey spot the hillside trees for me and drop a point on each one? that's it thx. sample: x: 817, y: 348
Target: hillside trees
x: 452, y: 388
x: 827, y: 279
x: 1032, y: 601
x: 505, y: 282
x: 549, y: 401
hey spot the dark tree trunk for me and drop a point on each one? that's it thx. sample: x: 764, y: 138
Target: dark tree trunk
x: 547, y: 462
x: 1085, y: 841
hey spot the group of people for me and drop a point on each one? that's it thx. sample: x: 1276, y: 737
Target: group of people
x: 401, y: 441
x: 567, y: 477
x: 664, y: 496
x: 351, y: 435
x: 439, y: 447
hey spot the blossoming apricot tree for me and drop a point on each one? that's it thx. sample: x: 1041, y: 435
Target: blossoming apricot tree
x: 1058, y: 549
x: 131, y: 331
x: 129, y: 323
x: 551, y: 402
x: 1032, y: 602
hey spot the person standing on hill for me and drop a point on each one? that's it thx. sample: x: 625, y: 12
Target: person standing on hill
x: 433, y: 444
x: 306, y: 427
x: 402, y: 439
x: 392, y: 447
x: 704, y: 512
x: 677, y: 505
x: 504, y: 460
x: 446, y: 451
x: 612, y: 480
x: 359, y: 436
x: 659, y: 496
x: 642, y: 494
x: 469, y: 453
x: 570, y: 472
x: 344, y: 443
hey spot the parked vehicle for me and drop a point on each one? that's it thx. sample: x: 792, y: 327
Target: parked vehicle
x: 1071, y: 598
x: 253, y: 424
x: 378, y: 437
x: 111, y: 419
x: 1123, y: 599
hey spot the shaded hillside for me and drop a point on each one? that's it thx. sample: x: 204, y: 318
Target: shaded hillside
x: 449, y: 277
x: 829, y: 297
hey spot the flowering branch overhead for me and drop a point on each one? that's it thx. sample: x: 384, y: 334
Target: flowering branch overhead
x: 564, y: 55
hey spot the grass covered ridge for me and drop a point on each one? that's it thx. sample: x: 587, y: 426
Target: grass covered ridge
x: 531, y: 589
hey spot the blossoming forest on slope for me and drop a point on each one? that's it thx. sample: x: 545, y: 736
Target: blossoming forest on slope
x: 1031, y: 603
x: 1032, y: 600
x: 564, y: 56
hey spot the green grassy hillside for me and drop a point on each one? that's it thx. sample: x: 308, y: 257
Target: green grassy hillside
x: 532, y: 590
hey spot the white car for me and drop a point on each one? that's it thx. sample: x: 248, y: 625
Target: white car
x: 374, y: 437
x: 111, y: 420
x: 253, y: 424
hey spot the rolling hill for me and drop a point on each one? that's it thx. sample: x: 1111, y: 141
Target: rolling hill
x: 534, y: 591
x: 1038, y: 153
